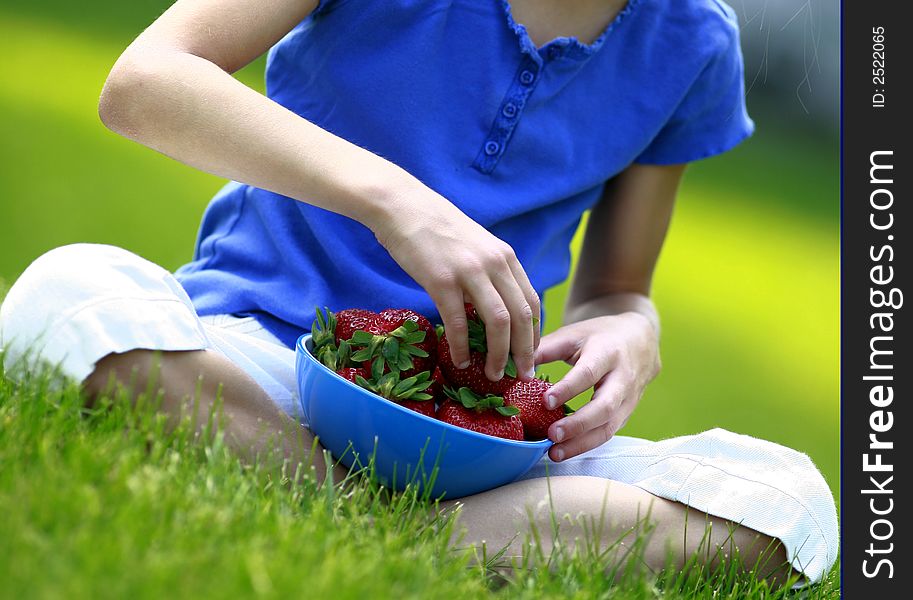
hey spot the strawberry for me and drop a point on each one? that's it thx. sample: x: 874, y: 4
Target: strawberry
x: 409, y: 392
x: 393, y: 318
x: 392, y: 351
x: 423, y: 407
x: 352, y: 373
x: 350, y: 320
x: 471, y: 313
x: 474, y: 376
x: 464, y: 408
x: 529, y: 397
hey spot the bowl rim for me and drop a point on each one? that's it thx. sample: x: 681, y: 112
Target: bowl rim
x: 301, y: 348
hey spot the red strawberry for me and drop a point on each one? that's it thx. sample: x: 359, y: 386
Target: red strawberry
x: 529, y: 397
x: 487, y: 415
x: 474, y: 376
x: 393, y: 318
x: 350, y: 320
x: 352, y: 373
x: 471, y: 313
x: 424, y: 407
x: 409, y: 392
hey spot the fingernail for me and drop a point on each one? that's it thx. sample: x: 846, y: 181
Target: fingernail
x: 531, y: 374
x: 551, y: 402
x: 463, y: 365
x: 559, y: 435
x: 499, y: 376
x: 559, y: 455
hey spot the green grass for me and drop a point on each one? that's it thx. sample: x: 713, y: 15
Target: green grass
x: 106, y: 503
x: 747, y: 287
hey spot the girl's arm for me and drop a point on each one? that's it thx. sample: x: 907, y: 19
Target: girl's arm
x: 611, y: 331
x: 172, y: 90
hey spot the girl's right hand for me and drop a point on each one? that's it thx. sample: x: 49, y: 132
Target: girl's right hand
x: 457, y: 260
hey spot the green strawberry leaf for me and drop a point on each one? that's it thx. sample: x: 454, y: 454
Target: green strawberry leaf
x: 415, y: 351
x: 327, y: 356
x: 510, y: 369
x: 421, y: 397
x: 508, y: 411
x: 323, y: 328
x: 467, y: 397
x: 491, y: 401
x: 362, y: 355
x: 344, y: 354
x: 377, y: 368
x: 391, y: 350
x: 362, y: 338
x: 414, y: 338
x: 404, y: 362
x: 403, y: 386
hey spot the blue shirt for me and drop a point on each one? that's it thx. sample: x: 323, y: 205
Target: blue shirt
x: 520, y: 138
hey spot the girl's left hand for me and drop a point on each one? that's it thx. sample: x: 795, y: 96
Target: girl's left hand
x: 616, y: 354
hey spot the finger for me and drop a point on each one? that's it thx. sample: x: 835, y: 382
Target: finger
x: 521, y: 325
x: 589, y: 370
x: 559, y: 345
x: 532, y: 298
x: 578, y: 445
x: 590, y: 439
x: 496, y: 317
x: 597, y: 412
x: 450, y: 306
x: 586, y: 431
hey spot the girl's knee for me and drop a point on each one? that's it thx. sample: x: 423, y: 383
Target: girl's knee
x: 55, y: 282
x: 787, y: 495
x: 39, y: 309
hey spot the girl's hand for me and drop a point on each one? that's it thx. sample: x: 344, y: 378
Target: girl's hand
x: 457, y: 260
x: 616, y: 354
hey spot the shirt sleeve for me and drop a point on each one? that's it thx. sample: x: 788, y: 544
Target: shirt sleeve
x: 712, y: 117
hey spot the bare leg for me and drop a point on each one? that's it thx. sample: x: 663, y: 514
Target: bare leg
x: 501, y: 517
x: 254, y: 425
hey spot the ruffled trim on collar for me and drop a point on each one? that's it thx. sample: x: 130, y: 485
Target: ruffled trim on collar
x: 571, y: 46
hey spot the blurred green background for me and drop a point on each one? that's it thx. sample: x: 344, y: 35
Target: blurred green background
x: 747, y: 284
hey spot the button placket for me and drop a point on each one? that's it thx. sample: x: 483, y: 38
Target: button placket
x: 508, y: 116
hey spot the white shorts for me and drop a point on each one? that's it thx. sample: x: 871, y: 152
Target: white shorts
x: 77, y: 304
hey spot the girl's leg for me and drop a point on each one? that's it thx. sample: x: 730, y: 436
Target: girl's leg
x: 102, y: 315
x: 190, y: 382
x: 762, y: 486
x: 503, y: 517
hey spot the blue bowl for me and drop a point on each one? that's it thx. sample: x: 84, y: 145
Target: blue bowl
x: 406, y: 446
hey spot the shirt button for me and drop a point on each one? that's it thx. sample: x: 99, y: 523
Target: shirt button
x: 509, y: 110
x: 527, y: 77
x: 492, y: 147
